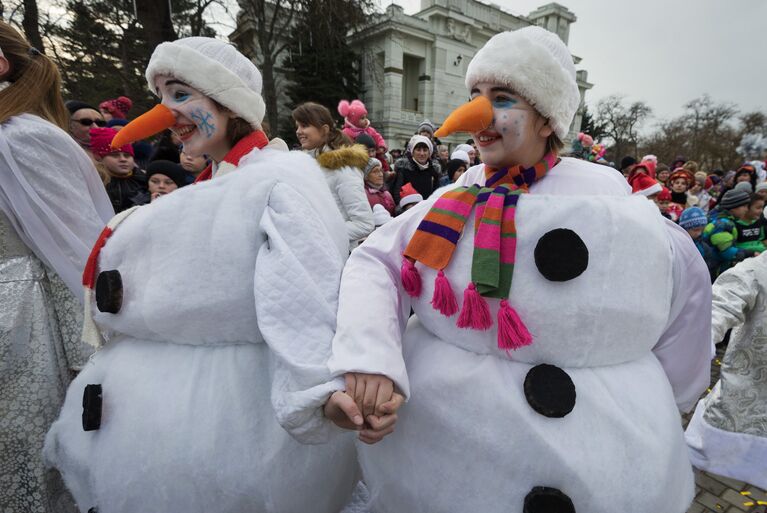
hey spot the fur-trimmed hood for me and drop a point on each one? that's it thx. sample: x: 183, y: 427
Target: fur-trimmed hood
x: 351, y: 156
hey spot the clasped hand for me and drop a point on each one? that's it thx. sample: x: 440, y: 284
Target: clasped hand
x: 368, y: 405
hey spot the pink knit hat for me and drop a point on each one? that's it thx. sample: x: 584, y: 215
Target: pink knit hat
x: 352, y: 112
x: 101, y: 142
x: 118, y: 107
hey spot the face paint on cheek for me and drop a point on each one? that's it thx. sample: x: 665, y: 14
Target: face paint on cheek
x: 510, y: 124
x: 204, y: 121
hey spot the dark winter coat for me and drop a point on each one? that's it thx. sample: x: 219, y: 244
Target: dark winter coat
x: 425, y: 181
x: 128, y: 192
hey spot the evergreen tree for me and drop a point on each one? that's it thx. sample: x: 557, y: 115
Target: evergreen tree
x: 103, y: 50
x: 323, y: 67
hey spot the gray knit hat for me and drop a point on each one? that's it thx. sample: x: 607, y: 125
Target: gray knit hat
x: 734, y: 199
x: 744, y: 186
x: 426, y: 125
x: 371, y: 165
x: 761, y: 186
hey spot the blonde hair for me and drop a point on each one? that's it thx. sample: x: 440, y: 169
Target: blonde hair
x: 35, y: 81
x: 103, y: 172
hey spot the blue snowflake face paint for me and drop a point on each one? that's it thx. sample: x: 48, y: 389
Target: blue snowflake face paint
x: 513, y: 127
x: 200, y: 122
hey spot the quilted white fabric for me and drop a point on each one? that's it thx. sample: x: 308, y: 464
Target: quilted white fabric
x: 230, y: 292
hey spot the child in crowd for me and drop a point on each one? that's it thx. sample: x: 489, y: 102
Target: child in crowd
x: 409, y: 197
x: 663, y: 201
x: 368, y: 142
x: 456, y: 168
x: 164, y: 177
x: 751, y: 227
x: 127, y: 185
x: 662, y: 173
x: 694, y: 221
x: 192, y: 165
x: 680, y: 182
x: 375, y: 187
x: 356, y: 121
x: 761, y: 190
x: 722, y: 232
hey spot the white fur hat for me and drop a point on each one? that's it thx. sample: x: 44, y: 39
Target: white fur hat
x: 419, y: 139
x: 216, y: 69
x: 461, y: 154
x: 535, y: 64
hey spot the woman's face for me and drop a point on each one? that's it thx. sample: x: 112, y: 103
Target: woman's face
x: 457, y: 173
x: 160, y: 184
x: 742, y: 178
x: 106, y: 114
x: 517, y: 134
x: 663, y: 175
x: 311, y: 137
x: 200, y: 123
x: 376, y: 177
x: 421, y: 153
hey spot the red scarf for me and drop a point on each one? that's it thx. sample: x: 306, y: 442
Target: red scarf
x: 244, y: 146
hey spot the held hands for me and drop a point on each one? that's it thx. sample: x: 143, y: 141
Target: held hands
x: 370, y: 397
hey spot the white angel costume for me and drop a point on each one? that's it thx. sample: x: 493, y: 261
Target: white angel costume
x: 228, y: 301
x: 728, y: 433
x: 52, y: 208
x: 586, y: 417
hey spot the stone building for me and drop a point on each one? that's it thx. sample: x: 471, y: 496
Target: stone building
x: 413, y: 66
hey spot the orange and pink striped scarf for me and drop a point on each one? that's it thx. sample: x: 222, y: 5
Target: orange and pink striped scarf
x: 495, y: 240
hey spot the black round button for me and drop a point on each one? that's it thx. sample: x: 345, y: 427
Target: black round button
x: 109, y: 291
x: 543, y: 499
x: 549, y: 390
x: 561, y: 255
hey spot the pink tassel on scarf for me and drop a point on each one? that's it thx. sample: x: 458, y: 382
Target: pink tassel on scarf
x: 475, y: 313
x: 411, y: 280
x: 512, y: 332
x: 444, y: 297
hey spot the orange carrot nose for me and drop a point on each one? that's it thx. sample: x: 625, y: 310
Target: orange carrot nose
x: 146, y: 125
x: 474, y: 116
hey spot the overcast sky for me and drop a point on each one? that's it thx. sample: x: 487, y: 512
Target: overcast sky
x: 665, y: 52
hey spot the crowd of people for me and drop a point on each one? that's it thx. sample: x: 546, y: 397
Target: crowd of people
x: 196, y: 317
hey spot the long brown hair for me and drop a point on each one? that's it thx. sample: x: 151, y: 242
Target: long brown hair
x: 317, y: 115
x: 35, y: 81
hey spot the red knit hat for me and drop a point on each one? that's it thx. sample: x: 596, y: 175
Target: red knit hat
x: 681, y: 172
x: 665, y: 195
x: 101, y: 142
x: 644, y: 185
x: 118, y: 107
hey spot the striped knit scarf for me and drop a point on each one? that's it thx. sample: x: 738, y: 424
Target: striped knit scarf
x: 492, y: 267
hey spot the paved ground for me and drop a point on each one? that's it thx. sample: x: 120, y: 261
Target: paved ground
x: 720, y: 494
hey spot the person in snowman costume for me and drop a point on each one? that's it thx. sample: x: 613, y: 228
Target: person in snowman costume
x: 216, y: 309
x: 555, y: 383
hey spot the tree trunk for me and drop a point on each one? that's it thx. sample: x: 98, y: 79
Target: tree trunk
x: 31, y: 24
x: 270, y: 95
x: 154, y: 16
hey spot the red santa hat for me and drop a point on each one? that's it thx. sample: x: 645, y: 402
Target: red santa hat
x: 409, y: 195
x: 644, y: 185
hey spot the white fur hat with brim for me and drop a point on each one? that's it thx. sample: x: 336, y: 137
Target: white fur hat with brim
x: 216, y: 69
x: 535, y: 64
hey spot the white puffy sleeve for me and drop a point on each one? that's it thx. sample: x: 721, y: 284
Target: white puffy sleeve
x: 733, y: 296
x: 685, y: 348
x: 351, y: 193
x: 52, y: 194
x: 373, y: 308
x: 297, y: 276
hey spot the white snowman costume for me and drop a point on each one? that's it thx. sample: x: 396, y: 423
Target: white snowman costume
x: 586, y: 417
x: 216, y: 350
